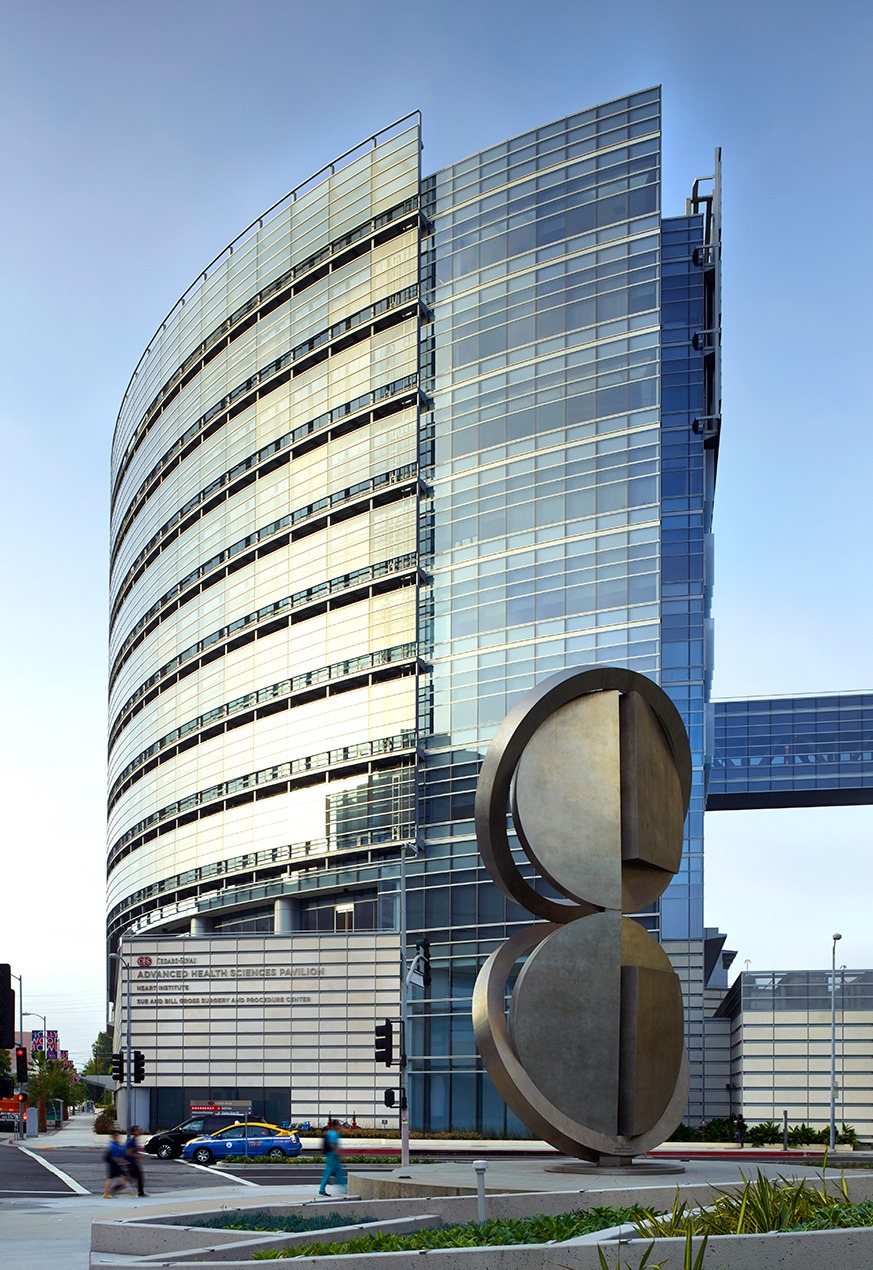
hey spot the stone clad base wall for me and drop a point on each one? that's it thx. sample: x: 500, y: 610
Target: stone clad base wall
x: 285, y: 1021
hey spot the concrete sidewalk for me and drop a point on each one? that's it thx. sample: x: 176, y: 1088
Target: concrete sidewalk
x: 78, y: 1131
x: 56, y: 1231
x: 459, y: 1178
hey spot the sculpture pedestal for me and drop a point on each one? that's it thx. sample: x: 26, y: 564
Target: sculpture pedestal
x: 627, y: 1166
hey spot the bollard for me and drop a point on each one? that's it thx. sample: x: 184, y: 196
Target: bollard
x: 481, y: 1167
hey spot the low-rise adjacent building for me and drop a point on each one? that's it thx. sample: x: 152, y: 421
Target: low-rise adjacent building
x: 781, y: 1046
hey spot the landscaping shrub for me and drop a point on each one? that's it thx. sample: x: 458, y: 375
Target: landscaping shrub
x: 519, y: 1230
x: 767, y: 1133
x: 764, y: 1134
x: 720, y: 1129
x: 287, y: 1224
x: 761, y: 1204
x: 685, y: 1133
x: 840, y: 1216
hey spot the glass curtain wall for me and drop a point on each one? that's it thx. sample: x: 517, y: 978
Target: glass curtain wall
x: 543, y: 533
x: 406, y: 448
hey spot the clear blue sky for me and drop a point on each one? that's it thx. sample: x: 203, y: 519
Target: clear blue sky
x: 138, y: 139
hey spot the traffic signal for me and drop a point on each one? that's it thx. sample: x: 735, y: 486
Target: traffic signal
x: 7, y: 1008
x: 21, y: 1064
x: 7, y: 1086
x: 390, y: 1097
x: 138, y: 1067
x: 118, y: 1067
x: 383, y: 1037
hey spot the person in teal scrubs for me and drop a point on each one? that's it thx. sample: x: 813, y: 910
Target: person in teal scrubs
x: 333, y: 1165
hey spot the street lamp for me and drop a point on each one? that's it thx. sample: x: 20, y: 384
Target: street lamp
x: 34, y: 1014
x: 832, y: 1136
x: 127, y: 1073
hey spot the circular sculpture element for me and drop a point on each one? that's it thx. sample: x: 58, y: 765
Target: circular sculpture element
x: 597, y: 769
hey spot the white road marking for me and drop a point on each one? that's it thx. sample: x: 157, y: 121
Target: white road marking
x: 210, y: 1168
x: 52, y: 1168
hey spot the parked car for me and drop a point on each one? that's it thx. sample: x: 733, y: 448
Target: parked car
x: 168, y: 1144
x: 254, y: 1138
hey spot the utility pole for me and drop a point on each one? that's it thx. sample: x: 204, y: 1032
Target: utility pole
x: 405, y: 972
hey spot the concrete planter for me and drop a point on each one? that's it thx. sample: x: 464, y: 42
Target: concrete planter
x: 169, y: 1243
x: 811, y: 1250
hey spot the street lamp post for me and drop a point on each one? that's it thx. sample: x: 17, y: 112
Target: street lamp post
x: 414, y: 848
x: 832, y: 1135
x: 404, y: 1009
x: 34, y: 1014
x: 127, y: 1072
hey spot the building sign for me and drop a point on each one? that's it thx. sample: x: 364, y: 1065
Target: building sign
x: 197, y: 981
x: 234, y: 1108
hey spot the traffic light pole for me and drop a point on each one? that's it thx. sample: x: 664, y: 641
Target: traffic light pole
x: 404, y: 1014
x: 128, y: 1074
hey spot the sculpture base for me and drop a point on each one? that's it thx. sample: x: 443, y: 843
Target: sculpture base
x: 627, y: 1166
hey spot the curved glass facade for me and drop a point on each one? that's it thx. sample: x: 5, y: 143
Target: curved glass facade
x: 263, y: 644
x: 406, y: 448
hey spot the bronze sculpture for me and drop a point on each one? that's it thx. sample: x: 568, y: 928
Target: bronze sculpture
x: 596, y: 767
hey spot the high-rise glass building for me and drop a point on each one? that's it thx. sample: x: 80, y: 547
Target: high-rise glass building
x: 407, y: 446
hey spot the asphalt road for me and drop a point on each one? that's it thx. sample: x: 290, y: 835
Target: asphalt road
x: 23, y: 1176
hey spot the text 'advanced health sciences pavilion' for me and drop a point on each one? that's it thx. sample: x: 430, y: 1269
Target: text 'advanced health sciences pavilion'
x: 404, y: 448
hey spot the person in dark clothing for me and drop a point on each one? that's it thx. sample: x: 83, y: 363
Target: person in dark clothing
x: 134, y: 1155
x: 740, y: 1131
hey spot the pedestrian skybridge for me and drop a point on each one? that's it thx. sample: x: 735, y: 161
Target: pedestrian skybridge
x: 792, y: 752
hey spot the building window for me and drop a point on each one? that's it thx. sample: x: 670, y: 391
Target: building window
x: 344, y: 917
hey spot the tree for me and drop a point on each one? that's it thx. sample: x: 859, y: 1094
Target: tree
x: 5, y: 1062
x: 51, y: 1079
x: 100, y: 1062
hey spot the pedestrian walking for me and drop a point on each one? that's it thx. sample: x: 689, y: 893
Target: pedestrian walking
x: 333, y: 1165
x: 134, y: 1156
x: 740, y: 1131
x: 117, y: 1177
